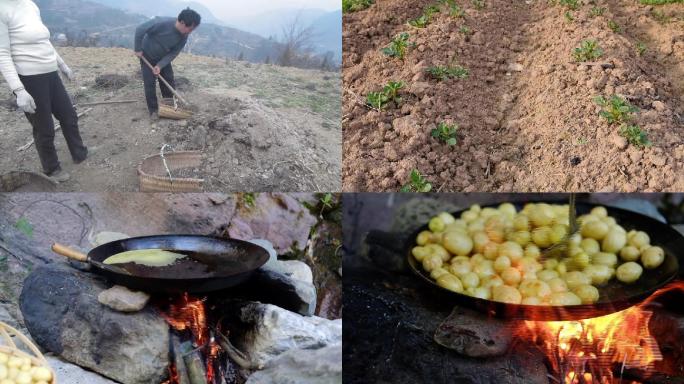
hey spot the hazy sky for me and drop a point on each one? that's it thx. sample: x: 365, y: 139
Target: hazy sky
x: 229, y: 9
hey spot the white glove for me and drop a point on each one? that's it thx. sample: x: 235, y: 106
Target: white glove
x: 66, y: 70
x: 25, y: 102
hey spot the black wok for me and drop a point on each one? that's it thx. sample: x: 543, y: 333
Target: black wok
x: 614, y: 296
x: 212, y: 263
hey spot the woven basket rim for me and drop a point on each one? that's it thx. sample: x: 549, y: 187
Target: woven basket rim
x: 36, y: 358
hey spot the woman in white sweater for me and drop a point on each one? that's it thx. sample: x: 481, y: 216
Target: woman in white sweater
x: 29, y: 64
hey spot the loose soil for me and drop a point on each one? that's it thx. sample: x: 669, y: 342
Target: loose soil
x: 261, y: 127
x: 526, y: 113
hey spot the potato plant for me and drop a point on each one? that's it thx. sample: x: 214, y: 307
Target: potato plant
x: 398, y: 46
x: 465, y: 30
x: 635, y: 135
x: 588, y: 50
x: 478, y: 4
x: 641, y: 48
x: 615, y: 110
x: 449, y: 72
x: 423, y: 20
x: 568, y: 17
x: 356, y: 5
x: 389, y: 93
x: 614, y: 26
x: 446, y: 133
x: 596, y: 12
x: 572, y: 4
x: 454, y: 9
x: 417, y: 183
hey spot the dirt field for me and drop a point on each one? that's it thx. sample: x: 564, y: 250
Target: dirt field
x: 260, y: 127
x: 526, y: 111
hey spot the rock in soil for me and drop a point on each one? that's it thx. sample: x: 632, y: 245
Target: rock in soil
x: 390, y: 339
x: 473, y: 334
x: 61, y: 311
x: 302, y: 366
x: 270, y: 331
x: 123, y: 299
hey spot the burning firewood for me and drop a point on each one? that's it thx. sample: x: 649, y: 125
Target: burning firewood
x: 197, y: 372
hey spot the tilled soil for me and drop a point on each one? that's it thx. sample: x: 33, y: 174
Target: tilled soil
x: 526, y: 116
x: 260, y: 127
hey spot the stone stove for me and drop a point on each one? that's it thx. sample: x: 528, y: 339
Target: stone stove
x: 407, y: 331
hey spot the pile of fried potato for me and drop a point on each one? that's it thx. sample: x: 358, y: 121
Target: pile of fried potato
x: 20, y: 370
x: 494, y: 254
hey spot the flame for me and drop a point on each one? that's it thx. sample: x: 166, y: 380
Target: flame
x: 585, y: 351
x: 189, y: 313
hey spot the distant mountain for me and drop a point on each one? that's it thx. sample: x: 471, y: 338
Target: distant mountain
x: 271, y: 23
x: 87, y: 23
x: 327, y: 26
x: 152, y: 8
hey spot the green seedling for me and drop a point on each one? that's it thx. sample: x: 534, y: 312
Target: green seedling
x: 423, y: 20
x: 398, y: 46
x: 635, y: 135
x: 596, y: 12
x: 572, y: 4
x: 465, y: 30
x: 615, y: 110
x: 445, y: 73
x: 417, y: 183
x: 377, y: 100
x: 454, y: 9
x: 446, y: 133
x: 581, y: 141
x: 391, y: 90
x: 614, y: 26
x: 356, y: 5
x: 479, y: 4
x: 420, y: 22
x: 641, y: 48
x: 587, y: 51
x: 568, y: 17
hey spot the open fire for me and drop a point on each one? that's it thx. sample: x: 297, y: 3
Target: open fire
x: 198, y: 358
x: 599, y: 350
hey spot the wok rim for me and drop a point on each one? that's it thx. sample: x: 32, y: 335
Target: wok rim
x: 263, y: 259
x: 546, y: 312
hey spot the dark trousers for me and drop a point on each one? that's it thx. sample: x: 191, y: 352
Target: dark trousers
x: 150, y: 81
x: 51, y: 98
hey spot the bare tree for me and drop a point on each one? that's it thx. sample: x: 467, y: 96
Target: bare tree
x: 296, y: 41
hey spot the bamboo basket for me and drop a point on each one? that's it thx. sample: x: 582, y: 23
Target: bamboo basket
x: 7, y: 345
x: 154, y: 178
x: 169, y: 112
